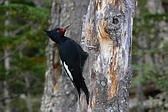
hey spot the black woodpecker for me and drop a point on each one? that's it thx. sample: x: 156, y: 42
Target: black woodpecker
x: 73, y: 58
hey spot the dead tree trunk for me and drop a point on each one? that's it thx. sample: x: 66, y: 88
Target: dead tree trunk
x: 107, y: 36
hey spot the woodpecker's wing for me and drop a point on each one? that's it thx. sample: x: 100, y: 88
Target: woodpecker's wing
x: 83, y: 55
x: 70, y: 57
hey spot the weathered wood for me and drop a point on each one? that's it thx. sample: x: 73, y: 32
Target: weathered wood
x: 107, y: 36
x: 108, y: 30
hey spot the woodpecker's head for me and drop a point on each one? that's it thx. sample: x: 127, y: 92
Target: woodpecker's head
x: 56, y: 34
x: 61, y: 31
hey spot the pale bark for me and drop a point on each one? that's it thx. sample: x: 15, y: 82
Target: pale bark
x: 108, y: 27
x: 107, y: 36
x: 59, y: 93
x: 28, y: 97
x: 7, y: 67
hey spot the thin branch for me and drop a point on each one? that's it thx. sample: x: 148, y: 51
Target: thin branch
x: 10, y: 97
x: 18, y: 30
x: 20, y: 47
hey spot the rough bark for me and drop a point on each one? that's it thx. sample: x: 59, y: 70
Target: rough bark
x: 59, y: 93
x: 107, y: 35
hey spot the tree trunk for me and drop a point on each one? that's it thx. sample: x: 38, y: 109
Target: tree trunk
x: 59, y: 93
x: 107, y: 37
x: 28, y: 96
x: 7, y: 67
x: 108, y: 33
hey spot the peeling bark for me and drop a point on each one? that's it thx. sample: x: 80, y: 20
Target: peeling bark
x: 108, y: 27
x: 107, y: 37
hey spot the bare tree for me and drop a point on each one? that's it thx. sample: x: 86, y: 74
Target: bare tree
x: 107, y: 37
x: 59, y: 93
x: 7, y: 66
x: 108, y: 30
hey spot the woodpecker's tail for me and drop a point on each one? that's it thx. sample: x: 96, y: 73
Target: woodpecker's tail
x: 84, y: 56
x: 78, y: 89
x: 85, y: 90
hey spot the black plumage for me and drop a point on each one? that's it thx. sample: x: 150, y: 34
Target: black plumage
x: 73, y: 58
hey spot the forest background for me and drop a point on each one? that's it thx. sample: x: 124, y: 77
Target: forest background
x: 23, y: 58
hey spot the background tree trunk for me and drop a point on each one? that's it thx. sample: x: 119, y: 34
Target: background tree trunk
x: 28, y: 97
x: 107, y: 36
x: 7, y: 65
x: 151, y: 65
x: 59, y: 93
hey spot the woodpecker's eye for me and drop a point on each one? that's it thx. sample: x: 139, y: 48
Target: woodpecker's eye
x: 61, y: 30
x: 57, y: 30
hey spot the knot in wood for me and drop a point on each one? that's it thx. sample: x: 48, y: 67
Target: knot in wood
x: 115, y: 20
x: 114, y: 23
x: 113, y: 28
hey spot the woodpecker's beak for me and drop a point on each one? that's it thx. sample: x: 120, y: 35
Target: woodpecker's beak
x: 67, y: 26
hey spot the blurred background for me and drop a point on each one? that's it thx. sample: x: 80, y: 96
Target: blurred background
x: 22, y: 54
x: 23, y: 60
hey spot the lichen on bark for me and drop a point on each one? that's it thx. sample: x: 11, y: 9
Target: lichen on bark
x: 110, y: 30
x: 107, y: 37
